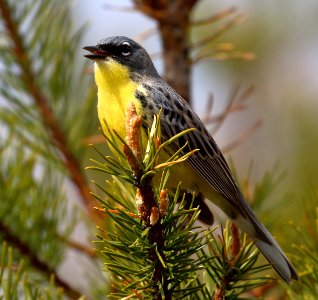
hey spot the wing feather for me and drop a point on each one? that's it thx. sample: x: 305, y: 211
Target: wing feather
x: 208, y: 162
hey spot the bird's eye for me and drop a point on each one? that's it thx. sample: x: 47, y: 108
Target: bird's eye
x: 125, y: 49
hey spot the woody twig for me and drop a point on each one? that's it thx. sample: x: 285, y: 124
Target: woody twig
x: 146, y: 201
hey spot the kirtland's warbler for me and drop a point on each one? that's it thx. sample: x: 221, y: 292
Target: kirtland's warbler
x: 124, y: 72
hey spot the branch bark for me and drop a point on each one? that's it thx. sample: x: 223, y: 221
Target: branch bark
x: 146, y: 202
x: 173, y: 19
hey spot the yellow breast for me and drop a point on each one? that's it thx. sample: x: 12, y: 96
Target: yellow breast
x: 115, y: 90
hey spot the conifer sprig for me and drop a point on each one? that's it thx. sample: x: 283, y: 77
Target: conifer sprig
x: 234, y: 271
x: 41, y: 91
x: 17, y: 284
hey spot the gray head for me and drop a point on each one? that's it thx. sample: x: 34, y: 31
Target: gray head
x: 126, y: 52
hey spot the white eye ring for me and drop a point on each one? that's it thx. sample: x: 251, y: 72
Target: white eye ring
x: 126, y: 49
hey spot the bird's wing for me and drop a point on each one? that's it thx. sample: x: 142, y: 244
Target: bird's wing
x: 208, y: 162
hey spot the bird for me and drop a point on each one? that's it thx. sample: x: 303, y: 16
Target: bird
x: 124, y: 73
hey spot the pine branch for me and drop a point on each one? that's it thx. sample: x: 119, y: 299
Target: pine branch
x: 146, y: 200
x: 36, y: 262
x: 234, y: 271
x: 29, y: 78
x: 17, y: 283
x: 32, y: 224
x: 82, y: 248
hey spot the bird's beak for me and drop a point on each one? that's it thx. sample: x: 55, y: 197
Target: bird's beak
x: 96, y: 53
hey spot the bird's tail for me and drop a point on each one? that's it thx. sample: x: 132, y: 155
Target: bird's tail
x: 276, y: 257
x: 268, y: 247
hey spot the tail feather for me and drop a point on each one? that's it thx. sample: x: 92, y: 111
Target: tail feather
x: 268, y: 247
x: 278, y: 260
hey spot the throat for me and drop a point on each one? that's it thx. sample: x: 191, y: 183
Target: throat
x: 111, y: 76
